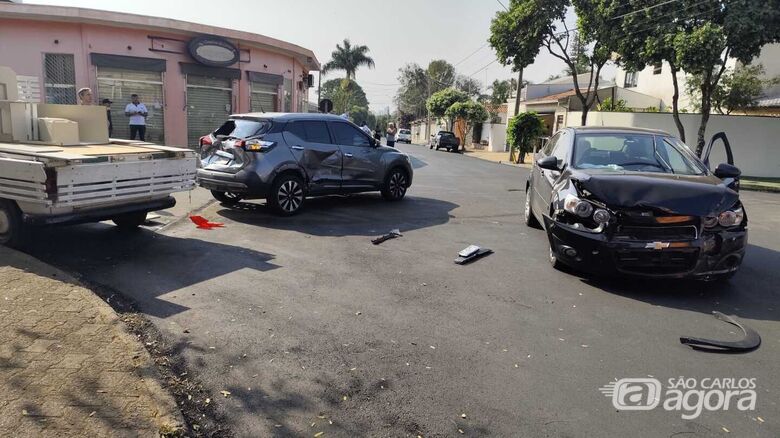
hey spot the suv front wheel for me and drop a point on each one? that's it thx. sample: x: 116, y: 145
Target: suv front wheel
x: 395, y: 185
x: 287, y: 195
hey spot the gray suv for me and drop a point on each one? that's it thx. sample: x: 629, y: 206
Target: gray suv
x: 285, y: 157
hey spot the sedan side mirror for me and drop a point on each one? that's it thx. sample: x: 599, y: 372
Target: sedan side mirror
x: 549, y: 163
x: 724, y: 171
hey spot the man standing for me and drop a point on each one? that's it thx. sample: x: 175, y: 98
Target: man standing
x: 137, y: 113
x: 107, y: 103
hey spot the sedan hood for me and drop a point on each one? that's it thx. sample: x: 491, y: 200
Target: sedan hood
x: 696, y: 195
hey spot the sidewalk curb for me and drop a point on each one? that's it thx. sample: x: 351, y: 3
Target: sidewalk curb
x: 505, y: 163
x: 169, y: 418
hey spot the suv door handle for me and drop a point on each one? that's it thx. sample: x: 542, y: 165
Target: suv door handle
x: 348, y: 155
x: 297, y: 148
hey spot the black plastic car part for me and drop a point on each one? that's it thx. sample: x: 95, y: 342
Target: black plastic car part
x: 482, y: 252
x: 391, y: 235
x: 749, y: 342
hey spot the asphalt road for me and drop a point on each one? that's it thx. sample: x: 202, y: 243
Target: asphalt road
x: 304, y: 321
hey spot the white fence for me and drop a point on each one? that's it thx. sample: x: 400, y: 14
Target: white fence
x: 754, y: 140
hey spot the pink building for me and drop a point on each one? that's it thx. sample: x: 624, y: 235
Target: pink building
x: 190, y: 76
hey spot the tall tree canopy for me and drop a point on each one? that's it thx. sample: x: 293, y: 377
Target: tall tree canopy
x: 697, y: 36
x: 441, y: 75
x: 519, y: 33
x: 346, y: 94
x: 441, y: 101
x: 348, y: 58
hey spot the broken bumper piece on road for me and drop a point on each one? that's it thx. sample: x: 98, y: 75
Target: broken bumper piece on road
x: 704, y: 256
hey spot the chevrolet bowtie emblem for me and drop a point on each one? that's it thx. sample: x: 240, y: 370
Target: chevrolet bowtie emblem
x: 657, y: 245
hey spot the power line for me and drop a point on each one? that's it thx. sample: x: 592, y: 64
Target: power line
x: 645, y: 9
x: 502, y: 5
x: 470, y: 55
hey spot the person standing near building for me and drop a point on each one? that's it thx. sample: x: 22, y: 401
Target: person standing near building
x: 137, y: 113
x: 107, y: 103
x: 391, y: 134
x: 85, y: 96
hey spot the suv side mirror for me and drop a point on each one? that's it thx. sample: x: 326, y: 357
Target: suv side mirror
x: 727, y: 171
x: 549, y: 163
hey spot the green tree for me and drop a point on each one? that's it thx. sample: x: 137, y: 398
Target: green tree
x: 644, y: 35
x: 348, y: 58
x: 413, y: 90
x: 346, y: 94
x: 441, y: 75
x: 609, y: 106
x: 522, y: 131
x: 518, y: 34
x: 578, y: 53
x: 469, y: 86
x: 441, y: 101
x: 738, y: 89
x: 501, y: 91
x: 470, y: 112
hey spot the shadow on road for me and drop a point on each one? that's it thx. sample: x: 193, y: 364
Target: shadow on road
x: 752, y: 293
x: 353, y: 215
x: 141, y: 264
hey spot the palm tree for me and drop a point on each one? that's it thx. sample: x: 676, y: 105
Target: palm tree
x: 348, y: 58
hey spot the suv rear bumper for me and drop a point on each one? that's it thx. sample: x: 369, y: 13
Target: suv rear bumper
x: 247, y: 183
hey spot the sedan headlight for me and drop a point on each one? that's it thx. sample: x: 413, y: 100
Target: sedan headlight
x: 577, y: 206
x: 731, y: 218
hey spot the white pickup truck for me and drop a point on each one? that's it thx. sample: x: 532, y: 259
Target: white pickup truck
x: 58, y: 166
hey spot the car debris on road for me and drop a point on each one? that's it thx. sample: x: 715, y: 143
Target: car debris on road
x: 471, y: 253
x: 391, y: 235
x: 749, y: 342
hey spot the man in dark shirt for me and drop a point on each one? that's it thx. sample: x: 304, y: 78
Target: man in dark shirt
x: 107, y: 103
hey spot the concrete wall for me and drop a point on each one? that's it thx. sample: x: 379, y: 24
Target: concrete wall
x: 24, y: 43
x: 755, y: 140
x: 496, y: 136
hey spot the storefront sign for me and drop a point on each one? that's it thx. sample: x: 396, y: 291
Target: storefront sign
x: 213, y: 51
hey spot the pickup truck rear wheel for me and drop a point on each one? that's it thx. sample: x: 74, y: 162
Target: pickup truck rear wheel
x: 11, y: 226
x: 227, y: 198
x: 130, y: 221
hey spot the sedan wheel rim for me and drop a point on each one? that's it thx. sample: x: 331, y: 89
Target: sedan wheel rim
x: 290, y: 196
x: 397, y: 184
x: 5, y: 222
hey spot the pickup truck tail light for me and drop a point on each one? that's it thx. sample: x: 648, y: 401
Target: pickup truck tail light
x: 206, y: 141
x: 51, y: 183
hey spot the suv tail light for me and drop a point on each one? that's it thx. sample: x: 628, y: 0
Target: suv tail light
x: 256, y: 145
x: 206, y: 140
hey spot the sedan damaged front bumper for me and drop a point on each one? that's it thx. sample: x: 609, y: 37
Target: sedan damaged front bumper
x: 709, y: 254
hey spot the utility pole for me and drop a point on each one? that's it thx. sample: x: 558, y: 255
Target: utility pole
x: 427, y: 111
x: 519, y: 87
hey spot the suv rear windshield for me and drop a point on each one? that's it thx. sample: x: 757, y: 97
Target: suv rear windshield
x: 446, y: 133
x: 243, y: 128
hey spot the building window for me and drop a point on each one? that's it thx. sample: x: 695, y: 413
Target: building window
x: 631, y: 79
x: 657, y: 68
x: 59, y: 78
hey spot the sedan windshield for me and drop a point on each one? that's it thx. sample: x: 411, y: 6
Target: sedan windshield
x: 635, y: 152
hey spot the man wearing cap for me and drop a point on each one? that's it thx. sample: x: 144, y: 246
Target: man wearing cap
x: 137, y: 113
x: 107, y: 103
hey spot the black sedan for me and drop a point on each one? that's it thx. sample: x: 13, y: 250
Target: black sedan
x: 447, y: 140
x: 637, y: 202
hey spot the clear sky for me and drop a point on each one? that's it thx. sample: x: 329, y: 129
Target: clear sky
x: 396, y: 31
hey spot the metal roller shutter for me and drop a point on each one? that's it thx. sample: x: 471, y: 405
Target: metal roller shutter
x: 264, y: 97
x: 208, y: 105
x: 118, y: 84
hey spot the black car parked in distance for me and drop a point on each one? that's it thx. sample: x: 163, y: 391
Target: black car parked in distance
x: 447, y: 140
x: 637, y: 202
x: 285, y: 157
